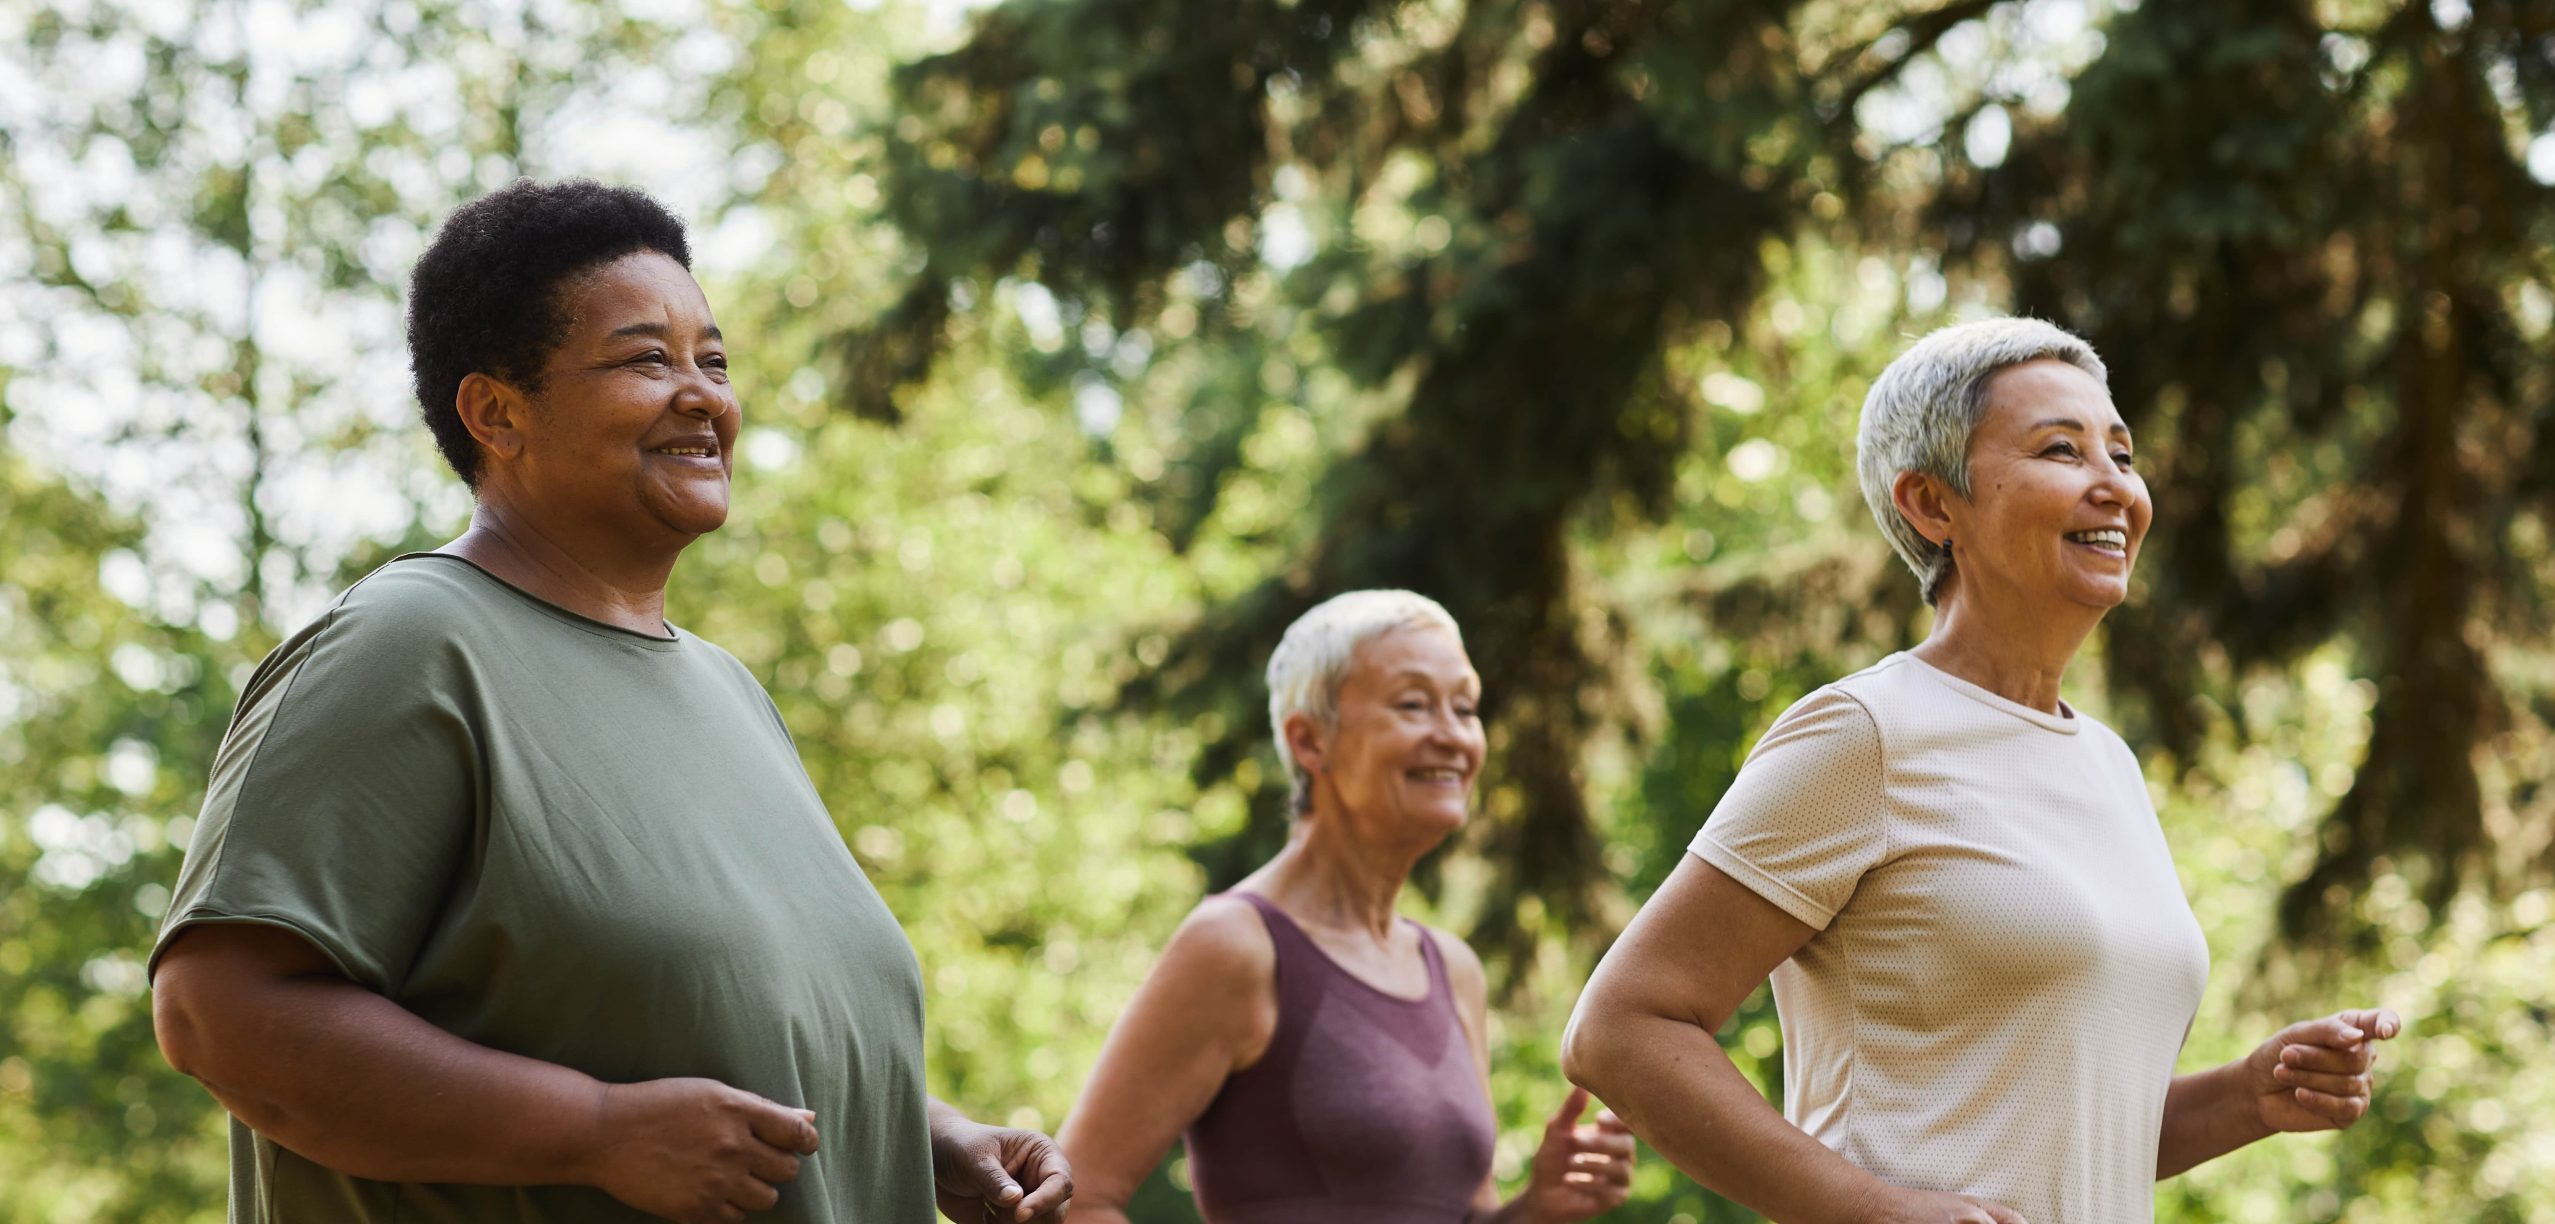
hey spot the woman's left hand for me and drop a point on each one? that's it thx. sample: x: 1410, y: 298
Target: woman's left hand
x: 1580, y: 1171
x: 2317, y: 1074
x: 989, y: 1174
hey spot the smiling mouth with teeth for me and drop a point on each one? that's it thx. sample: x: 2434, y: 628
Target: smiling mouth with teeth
x: 701, y: 451
x: 1437, y: 775
x: 2108, y: 539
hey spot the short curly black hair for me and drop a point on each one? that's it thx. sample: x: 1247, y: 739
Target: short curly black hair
x: 485, y: 297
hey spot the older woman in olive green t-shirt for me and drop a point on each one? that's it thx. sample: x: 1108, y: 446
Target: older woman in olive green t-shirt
x: 511, y: 900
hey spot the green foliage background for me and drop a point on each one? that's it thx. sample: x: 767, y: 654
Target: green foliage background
x: 1085, y: 340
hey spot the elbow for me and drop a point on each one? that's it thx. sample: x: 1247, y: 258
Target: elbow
x: 1583, y: 1048
x: 177, y: 1026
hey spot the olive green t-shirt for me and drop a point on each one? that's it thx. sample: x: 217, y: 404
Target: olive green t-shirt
x: 558, y: 838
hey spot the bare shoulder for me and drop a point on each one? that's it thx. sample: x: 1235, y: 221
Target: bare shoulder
x: 1218, y: 978
x: 1222, y: 943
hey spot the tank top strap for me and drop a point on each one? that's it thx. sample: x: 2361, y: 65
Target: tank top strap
x: 1439, y: 985
x: 1302, y: 970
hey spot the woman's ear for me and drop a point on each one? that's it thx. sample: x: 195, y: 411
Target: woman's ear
x: 1304, y: 741
x: 1924, y: 502
x: 495, y: 413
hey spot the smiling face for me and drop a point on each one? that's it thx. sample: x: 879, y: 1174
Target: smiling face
x: 2055, y: 512
x: 1407, y: 747
x: 634, y: 428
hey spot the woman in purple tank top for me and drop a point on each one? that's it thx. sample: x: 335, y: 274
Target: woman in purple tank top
x: 1324, y: 1058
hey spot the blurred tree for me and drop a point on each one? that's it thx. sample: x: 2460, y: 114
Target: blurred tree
x: 105, y: 718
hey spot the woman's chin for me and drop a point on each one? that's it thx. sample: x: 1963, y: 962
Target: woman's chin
x: 1439, y: 817
x: 2105, y: 595
x: 693, y: 516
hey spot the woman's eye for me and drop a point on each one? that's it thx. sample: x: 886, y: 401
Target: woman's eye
x: 2125, y: 459
x: 650, y: 357
x: 2062, y: 448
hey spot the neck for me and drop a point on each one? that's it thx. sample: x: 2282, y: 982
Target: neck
x: 1326, y: 875
x: 621, y: 586
x: 2017, y: 653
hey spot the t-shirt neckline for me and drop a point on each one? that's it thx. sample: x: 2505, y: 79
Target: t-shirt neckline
x: 577, y: 620
x: 2066, y: 722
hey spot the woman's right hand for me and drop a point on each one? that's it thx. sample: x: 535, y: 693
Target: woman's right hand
x: 696, y: 1150
x: 1933, y: 1207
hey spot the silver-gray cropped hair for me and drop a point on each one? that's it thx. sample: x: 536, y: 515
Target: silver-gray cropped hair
x: 1312, y: 661
x: 1921, y: 411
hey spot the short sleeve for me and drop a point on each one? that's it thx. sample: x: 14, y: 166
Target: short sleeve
x: 1806, y: 816
x: 344, y: 799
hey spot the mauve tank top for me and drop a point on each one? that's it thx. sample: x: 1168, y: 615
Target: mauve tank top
x: 1366, y: 1108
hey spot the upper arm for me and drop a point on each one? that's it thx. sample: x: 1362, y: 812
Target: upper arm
x: 1208, y: 1009
x: 216, y: 978
x: 1694, y: 953
x: 1808, y: 814
x: 345, y: 796
x: 1783, y: 852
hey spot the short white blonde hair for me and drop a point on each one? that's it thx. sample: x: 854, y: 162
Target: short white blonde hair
x: 1312, y: 661
x: 1922, y: 410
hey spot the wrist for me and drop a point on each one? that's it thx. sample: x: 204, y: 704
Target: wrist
x: 1868, y: 1204
x: 949, y: 1132
x: 2238, y: 1100
x: 587, y: 1146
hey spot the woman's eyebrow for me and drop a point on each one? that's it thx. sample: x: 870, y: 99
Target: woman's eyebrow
x: 2117, y: 430
x: 658, y: 330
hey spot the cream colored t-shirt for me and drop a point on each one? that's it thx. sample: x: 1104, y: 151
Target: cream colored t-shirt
x: 2005, y: 967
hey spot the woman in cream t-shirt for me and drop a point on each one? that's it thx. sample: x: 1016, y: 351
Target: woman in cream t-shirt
x: 1981, y: 956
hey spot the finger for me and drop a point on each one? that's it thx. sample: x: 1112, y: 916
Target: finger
x: 2003, y: 1215
x: 752, y: 1195
x: 2342, y: 1110
x: 993, y: 1182
x: 771, y: 1164
x: 1051, y: 1181
x: 2377, y: 1022
x: 1608, y: 1119
x: 1571, y: 1107
x: 2331, y: 1031
x: 1610, y: 1143
x: 2349, y: 1061
x: 791, y: 1130
x: 2324, y: 1082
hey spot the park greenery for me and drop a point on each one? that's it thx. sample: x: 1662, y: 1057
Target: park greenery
x: 1087, y: 342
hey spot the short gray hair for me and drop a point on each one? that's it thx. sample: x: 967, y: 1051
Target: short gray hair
x: 1312, y: 661
x: 1921, y: 411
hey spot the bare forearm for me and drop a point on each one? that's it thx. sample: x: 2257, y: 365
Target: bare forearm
x: 353, y: 1081
x: 2207, y: 1115
x: 1671, y: 1082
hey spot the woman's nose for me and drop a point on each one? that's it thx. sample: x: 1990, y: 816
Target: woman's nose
x: 703, y: 398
